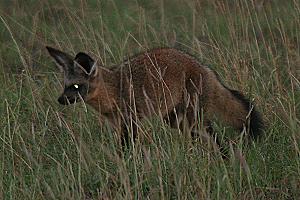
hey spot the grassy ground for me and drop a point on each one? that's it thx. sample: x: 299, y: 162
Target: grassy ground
x: 48, y: 151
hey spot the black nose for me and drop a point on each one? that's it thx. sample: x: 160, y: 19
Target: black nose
x: 62, y: 100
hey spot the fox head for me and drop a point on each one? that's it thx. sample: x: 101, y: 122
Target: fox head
x: 78, y: 71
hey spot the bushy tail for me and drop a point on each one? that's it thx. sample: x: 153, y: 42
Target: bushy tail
x: 234, y: 109
x: 254, y: 123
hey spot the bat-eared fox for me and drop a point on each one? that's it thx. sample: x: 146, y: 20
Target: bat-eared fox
x: 165, y: 82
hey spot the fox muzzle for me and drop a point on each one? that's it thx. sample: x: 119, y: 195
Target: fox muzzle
x: 64, y: 100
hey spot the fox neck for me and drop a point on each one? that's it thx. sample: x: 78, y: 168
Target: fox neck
x: 103, y: 91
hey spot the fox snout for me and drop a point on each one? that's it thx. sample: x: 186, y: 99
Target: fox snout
x: 64, y: 100
x: 78, y: 72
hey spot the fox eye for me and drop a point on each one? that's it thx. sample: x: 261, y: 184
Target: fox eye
x: 76, y: 86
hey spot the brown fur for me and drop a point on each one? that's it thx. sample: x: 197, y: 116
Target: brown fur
x: 168, y: 83
x: 156, y: 82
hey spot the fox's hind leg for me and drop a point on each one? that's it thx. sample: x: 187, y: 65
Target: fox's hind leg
x: 197, y: 123
x: 206, y: 134
x: 192, y: 124
x: 175, y: 118
x: 186, y: 120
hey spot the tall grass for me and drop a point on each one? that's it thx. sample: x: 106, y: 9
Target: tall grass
x: 52, y: 152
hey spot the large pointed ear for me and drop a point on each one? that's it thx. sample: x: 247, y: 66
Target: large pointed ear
x: 85, y: 63
x: 63, y: 60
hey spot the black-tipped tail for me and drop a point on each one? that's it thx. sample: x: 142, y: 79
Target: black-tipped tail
x: 254, y: 125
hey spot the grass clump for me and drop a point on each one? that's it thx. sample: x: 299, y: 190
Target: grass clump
x: 52, y: 152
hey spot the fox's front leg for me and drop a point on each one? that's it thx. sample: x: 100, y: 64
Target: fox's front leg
x: 114, y: 122
x: 123, y: 129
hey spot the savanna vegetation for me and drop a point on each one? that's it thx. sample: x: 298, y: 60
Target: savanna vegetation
x: 49, y: 151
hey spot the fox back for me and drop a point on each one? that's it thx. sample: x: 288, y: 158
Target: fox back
x: 165, y: 82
